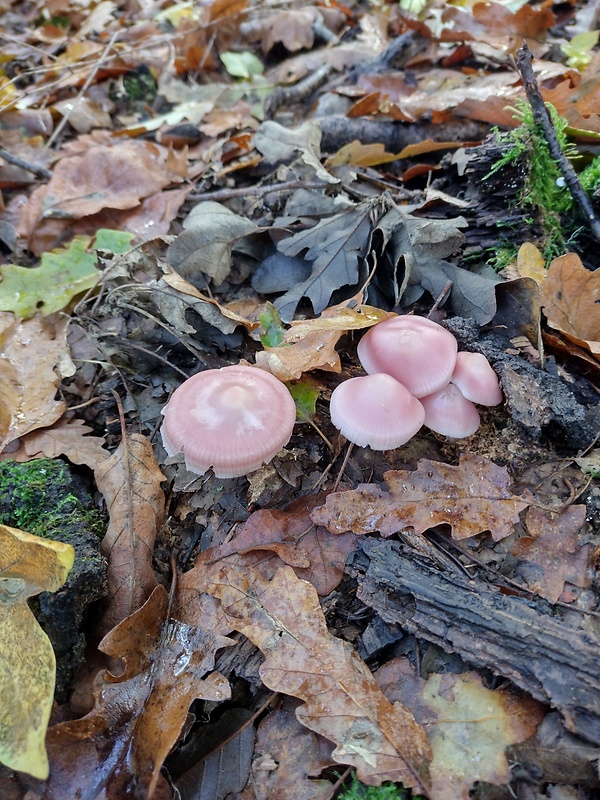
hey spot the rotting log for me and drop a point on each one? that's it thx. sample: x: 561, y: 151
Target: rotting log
x: 539, y: 647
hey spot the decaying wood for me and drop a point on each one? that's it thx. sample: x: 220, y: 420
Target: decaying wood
x: 542, y: 649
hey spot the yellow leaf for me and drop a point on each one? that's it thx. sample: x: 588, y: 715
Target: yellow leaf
x: 28, y: 565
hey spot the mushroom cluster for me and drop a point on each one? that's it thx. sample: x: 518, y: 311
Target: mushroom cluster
x: 416, y: 376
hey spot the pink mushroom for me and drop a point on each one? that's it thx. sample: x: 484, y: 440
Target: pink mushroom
x: 415, y: 351
x: 449, y: 413
x: 232, y: 419
x: 376, y: 411
x: 476, y: 379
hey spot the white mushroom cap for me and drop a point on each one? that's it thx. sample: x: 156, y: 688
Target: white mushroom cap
x: 376, y: 411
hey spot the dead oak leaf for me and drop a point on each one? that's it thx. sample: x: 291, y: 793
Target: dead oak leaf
x: 32, y: 353
x: 342, y: 701
x: 65, y: 437
x: 552, y: 553
x: 139, y: 714
x: 130, y: 482
x: 472, y: 497
x: 468, y: 725
x: 571, y: 300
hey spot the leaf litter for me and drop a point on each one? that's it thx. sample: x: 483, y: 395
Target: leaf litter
x: 143, y: 142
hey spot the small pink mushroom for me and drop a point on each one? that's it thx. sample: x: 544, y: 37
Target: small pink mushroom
x: 415, y: 351
x: 476, y: 379
x: 449, y: 413
x: 232, y: 419
x: 376, y: 411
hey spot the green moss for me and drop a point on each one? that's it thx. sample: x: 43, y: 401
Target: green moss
x: 40, y: 497
x: 387, y: 791
x: 542, y: 192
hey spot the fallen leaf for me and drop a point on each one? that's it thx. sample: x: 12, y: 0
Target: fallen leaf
x: 63, y: 274
x: 66, y: 437
x: 30, y: 354
x: 28, y: 565
x: 130, y: 482
x: 139, y: 714
x: 278, y: 143
x: 531, y: 263
x: 342, y: 702
x: 288, y: 759
x: 472, y: 497
x: 205, y: 246
x: 468, y: 726
x: 570, y: 299
x: 553, y: 552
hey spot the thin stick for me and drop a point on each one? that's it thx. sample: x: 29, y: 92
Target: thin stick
x: 41, y: 172
x: 542, y: 117
x: 226, y: 194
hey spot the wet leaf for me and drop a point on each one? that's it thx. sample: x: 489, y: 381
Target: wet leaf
x: 468, y: 726
x: 130, y: 482
x: 139, y: 714
x: 553, y: 552
x: 341, y: 699
x: 473, y: 497
x: 28, y: 565
x: 305, y: 393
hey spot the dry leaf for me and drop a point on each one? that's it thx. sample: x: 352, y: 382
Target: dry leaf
x: 531, y: 263
x: 66, y: 437
x: 138, y: 714
x: 310, y: 344
x: 130, y: 482
x: 30, y: 354
x: 571, y: 300
x: 553, y: 552
x: 468, y: 726
x: 341, y: 699
x: 472, y: 497
x: 28, y: 565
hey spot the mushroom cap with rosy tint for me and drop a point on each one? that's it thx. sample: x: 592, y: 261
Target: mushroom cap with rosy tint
x: 449, y: 413
x: 376, y: 411
x: 415, y: 351
x: 232, y: 419
x: 477, y: 381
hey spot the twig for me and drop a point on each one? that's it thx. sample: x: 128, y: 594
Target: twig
x: 41, y: 172
x: 83, y: 90
x: 226, y: 194
x: 542, y: 117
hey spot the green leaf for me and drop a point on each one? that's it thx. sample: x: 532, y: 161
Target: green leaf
x: 117, y: 242
x: 274, y: 332
x: 579, y: 49
x: 63, y: 274
x: 242, y: 65
x: 305, y: 394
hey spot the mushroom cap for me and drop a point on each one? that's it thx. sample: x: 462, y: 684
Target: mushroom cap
x: 415, y: 351
x: 477, y: 381
x: 232, y: 419
x: 449, y: 413
x: 376, y: 411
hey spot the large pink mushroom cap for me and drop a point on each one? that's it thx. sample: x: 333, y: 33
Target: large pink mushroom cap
x: 415, y: 351
x: 232, y: 419
x: 449, y: 413
x: 477, y: 381
x: 376, y: 411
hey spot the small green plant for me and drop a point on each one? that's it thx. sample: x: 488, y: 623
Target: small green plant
x: 387, y: 791
x: 543, y: 190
